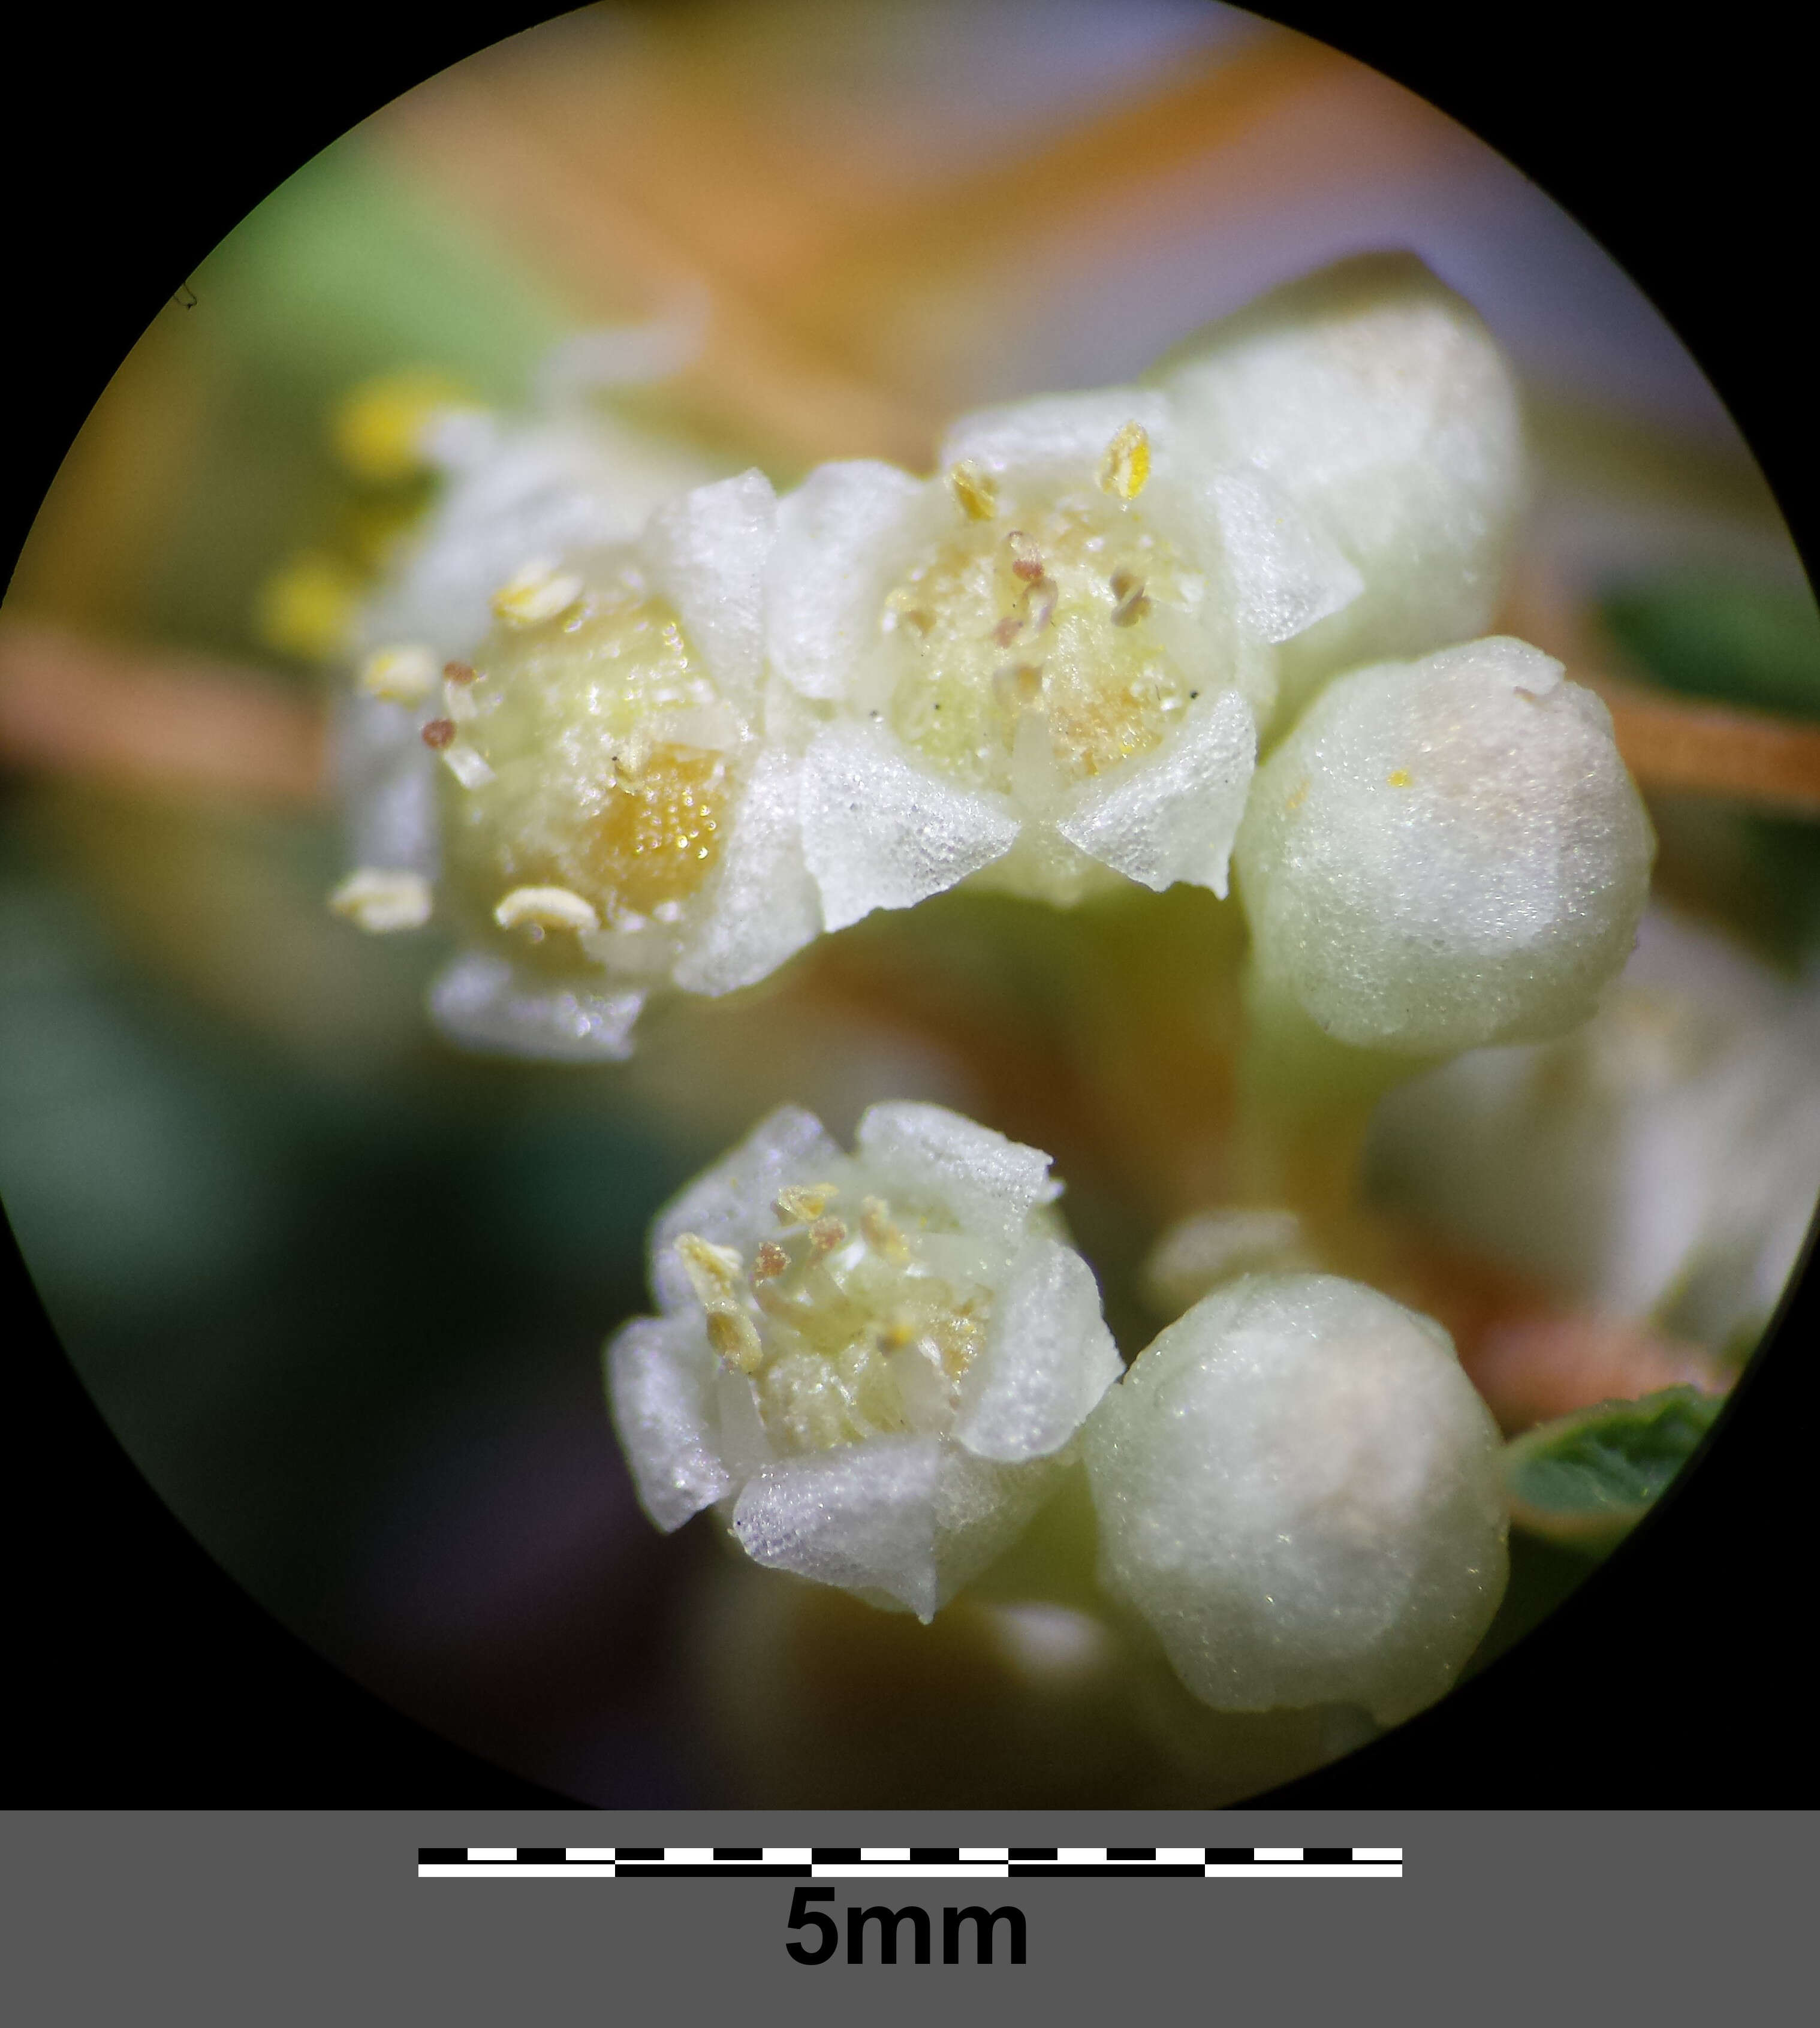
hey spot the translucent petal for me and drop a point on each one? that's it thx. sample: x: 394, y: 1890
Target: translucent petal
x: 880, y: 833
x: 1376, y: 399
x: 1056, y: 429
x: 1172, y: 814
x: 764, y: 906
x: 1286, y: 571
x: 933, y: 1157
x: 661, y: 1398
x: 730, y: 1203
x: 862, y: 1518
x: 1048, y: 1358
x: 707, y: 553
x: 838, y: 536
x: 1299, y: 1490
x: 486, y: 1002
x: 386, y: 777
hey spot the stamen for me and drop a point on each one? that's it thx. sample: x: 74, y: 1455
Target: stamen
x: 1026, y: 558
x: 1008, y: 630
x: 538, y: 592
x: 1127, y: 465
x: 467, y: 765
x: 827, y: 1234
x: 880, y: 1234
x: 976, y: 490
x: 800, y: 1203
x: 546, y: 908
x: 1018, y: 685
x: 734, y: 1338
x: 714, y: 1271
x: 381, y: 902
x: 401, y: 675
x: 1133, y: 604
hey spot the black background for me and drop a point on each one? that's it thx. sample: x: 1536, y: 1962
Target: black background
x: 142, y: 1677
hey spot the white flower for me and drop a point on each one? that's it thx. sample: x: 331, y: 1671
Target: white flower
x: 608, y: 802
x: 1660, y: 1163
x: 1446, y: 854
x: 1299, y: 1491
x: 1373, y: 398
x: 1050, y: 661
x: 872, y: 1363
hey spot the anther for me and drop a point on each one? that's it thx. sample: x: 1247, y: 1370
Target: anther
x: 438, y: 733
x: 1026, y: 560
x: 800, y: 1203
x: 380, y: 902
x: 880, y: 1234
x: 714, y: 1271
x: 1017, y: 686
x: 770, y: 1262
x: 538, y: 592
x: 976, y: 490
x: 546, y: 908
x: 1127, y: 463
x: 401, y: 675
x: 734, y: 1338
x: 827, y: 1234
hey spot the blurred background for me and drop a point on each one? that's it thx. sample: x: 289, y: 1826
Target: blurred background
x: 341, y: 1291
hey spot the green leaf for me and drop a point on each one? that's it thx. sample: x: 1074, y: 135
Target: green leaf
x: 1586, y: 1480
x: 1731, y: 639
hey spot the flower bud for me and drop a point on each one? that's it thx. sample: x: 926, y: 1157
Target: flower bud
x: 1447, y: 853
x: 1300, y: 1492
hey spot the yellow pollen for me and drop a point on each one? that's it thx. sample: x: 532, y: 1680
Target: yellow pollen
x: 801, y: 1204
x: 1127, y: 465
x: 976, y: 490
x: 1398, y: 778
x: 734, y: 1338
x: 880, y: 1234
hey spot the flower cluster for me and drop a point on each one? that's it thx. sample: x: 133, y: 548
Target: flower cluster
x: 614, y: 762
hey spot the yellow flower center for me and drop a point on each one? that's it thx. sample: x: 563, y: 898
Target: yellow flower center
x: 598, y: 726
x: 1033, y: 624
x: 841, y: 1321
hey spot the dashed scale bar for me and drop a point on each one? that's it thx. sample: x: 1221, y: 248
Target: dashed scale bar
x: 911, y: 1862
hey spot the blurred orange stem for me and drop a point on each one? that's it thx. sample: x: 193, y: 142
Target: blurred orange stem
x: 125, y: 718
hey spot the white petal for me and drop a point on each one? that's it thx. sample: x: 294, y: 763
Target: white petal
x: 386, y: 777
x: 707, y: 553
x: 931, y: 1156
x: 1286, y: 571
x: 837, y: 538
x: 660, y: 1406
x: 1057, y: 429
x: 862, y: 1517
x: 981, y: 1508
x: 730, y: 1203
x: 1172, y: 815
x: 764, y: 906
x: 485, y: 1002
x: 1048, y: 1358
x: 880, y: 833
x: 1375, y: 397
